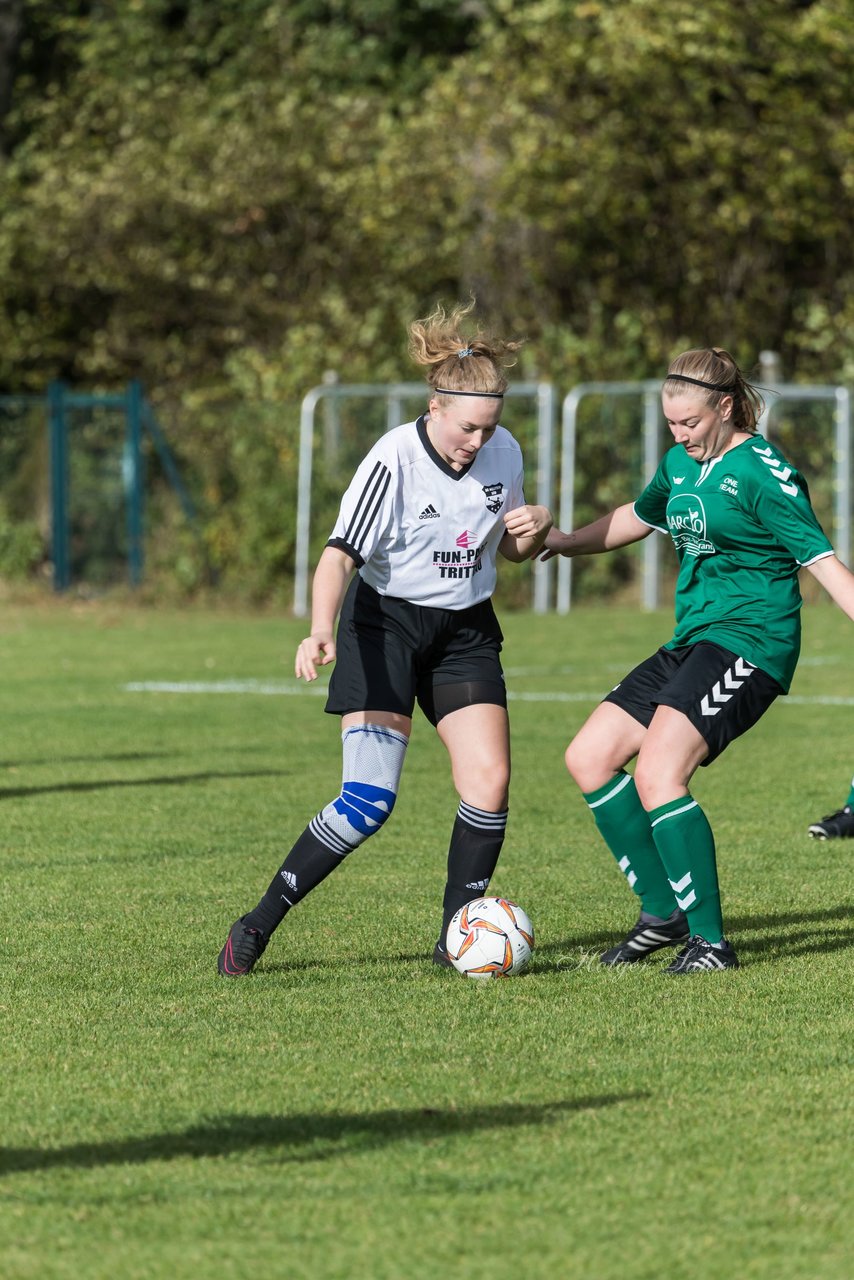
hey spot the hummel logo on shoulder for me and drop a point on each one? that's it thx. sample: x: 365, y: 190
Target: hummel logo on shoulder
x: 780, y: 473
x: 429, y: 513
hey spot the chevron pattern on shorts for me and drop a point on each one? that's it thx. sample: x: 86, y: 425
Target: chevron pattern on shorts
x: 723, y: 689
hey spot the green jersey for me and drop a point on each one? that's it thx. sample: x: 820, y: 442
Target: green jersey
x: 742, y: 526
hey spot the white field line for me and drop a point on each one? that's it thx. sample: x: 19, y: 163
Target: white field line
x: 281, y: 688
x: 797, y: 701
x: 268, y: 688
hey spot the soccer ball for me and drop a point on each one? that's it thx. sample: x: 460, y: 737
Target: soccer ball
x: 490, y: 938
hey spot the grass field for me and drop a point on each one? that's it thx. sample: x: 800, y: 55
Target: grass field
x: 350, y: 1110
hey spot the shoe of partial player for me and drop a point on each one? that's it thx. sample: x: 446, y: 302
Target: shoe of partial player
x: 440, y: 956
x: 834, y: 825
x: 243, y: 947
x: 699, y: 956
x: 645, y: 937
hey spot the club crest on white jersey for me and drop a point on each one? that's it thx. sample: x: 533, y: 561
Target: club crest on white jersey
x: 494, y: 497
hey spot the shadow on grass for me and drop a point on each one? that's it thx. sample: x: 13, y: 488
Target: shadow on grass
x: 778, y: 926
x: 753, y: 923
x: 113, y: 757
x: 581, y: 950
x: 166, y: 780
x: 793, y: 941
x: 303, y: 1137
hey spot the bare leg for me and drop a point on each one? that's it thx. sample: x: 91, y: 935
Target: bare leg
x: 478, y: 742
x: 477, y: 739
x: 604, y: 745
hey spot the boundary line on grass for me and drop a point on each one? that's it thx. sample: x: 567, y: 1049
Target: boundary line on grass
x: 273, y: 688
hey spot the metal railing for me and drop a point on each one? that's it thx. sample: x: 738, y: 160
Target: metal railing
x: 649, y: 392
x: 139, y: 422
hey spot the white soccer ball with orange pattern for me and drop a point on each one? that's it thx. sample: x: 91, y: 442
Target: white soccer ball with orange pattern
x: 490, y: 938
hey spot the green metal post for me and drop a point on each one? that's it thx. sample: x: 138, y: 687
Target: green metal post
x: 133, y: 481
x: 58, y: 442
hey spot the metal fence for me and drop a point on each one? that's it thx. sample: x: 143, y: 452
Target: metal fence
x: 97, y: 464
x: 395, y: 396
x: 651, y: 424
x: 99, y: 444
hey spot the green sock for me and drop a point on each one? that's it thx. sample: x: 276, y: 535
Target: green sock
x: 685, y: 842
x: 624, y: 826
x: 850, y: 800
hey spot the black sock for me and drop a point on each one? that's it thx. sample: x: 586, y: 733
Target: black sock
x: 308, y: 863
x: 476, y: 842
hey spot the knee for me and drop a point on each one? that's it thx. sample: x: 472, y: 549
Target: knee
x: 654, y: 785
x: 585, y: 768
x: 363, y: 809
x: 489, y: 791
x: 644, y: 785
x: 572, y: 760
x: 495, y: 792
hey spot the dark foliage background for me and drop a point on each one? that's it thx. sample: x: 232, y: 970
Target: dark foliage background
x: 227, y: 199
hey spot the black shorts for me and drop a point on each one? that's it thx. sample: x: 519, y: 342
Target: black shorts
x: 391, y: 652
x: 722, y: 694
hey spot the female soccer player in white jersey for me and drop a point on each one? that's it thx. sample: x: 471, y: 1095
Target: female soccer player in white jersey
x: 741, y: 522
x: 422, y: 523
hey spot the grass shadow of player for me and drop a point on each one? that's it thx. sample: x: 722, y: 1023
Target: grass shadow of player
x: 302, y: 1138
x: 120, y: 757
x: 577, y: 950
x: 113, y: 757
x: 581, y: 950
x: 163, y: 780
x: 779, y: 919
x: 824, y: 932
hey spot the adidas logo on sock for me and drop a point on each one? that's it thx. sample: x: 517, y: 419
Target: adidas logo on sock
x: 289, y: 879
x: 479, y: 886
x: 429, y: 513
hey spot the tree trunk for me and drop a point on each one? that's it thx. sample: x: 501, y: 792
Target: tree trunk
x: 11, y: 12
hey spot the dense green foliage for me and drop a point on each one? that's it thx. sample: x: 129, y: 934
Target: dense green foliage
x: 229, y: 199
x: 350, y: 1112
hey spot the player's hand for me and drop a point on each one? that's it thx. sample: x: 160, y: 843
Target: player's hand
x: 557, y: 543
x: 315, y: 651
x: 527, y: 521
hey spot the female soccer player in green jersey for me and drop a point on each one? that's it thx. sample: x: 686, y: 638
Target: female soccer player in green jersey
x: 741, y: 522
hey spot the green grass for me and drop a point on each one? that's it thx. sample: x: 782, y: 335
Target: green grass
x: 350, y: 1110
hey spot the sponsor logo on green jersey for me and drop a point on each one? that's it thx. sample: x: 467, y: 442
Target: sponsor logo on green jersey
x: 686, y: 520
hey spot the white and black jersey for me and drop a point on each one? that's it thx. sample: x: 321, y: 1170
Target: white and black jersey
x: 421, y: 531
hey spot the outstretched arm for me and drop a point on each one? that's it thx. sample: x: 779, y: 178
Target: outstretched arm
x: 525, y: 532
x: 617, y: 529
x: 837, y: 581
x: 330, y: 582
